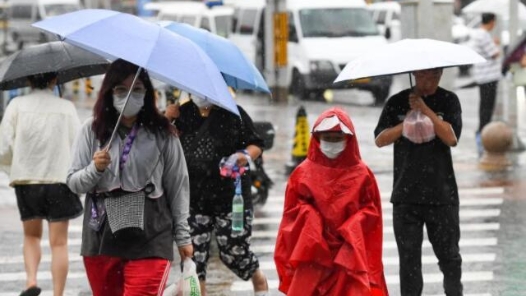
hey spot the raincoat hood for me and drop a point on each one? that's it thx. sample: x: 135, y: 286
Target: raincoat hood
x: 350, y: 156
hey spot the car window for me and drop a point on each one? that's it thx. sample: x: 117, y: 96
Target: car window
x: 337, y: 22
x: 188, y: 19
x: 21, y: 11
x: 248, y: 19
x: 205, y: 24
x: 169, y: 17
x: 58, y: 9
x: 223, y: 23
x: 396, y: 16
x: 381, y: 17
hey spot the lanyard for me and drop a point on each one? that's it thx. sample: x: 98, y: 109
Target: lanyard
x: 127, y: 146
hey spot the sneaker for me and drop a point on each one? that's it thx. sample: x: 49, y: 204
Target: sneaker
x: 32, y: 291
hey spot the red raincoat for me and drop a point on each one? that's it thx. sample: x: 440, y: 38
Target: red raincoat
x: 330, y: 237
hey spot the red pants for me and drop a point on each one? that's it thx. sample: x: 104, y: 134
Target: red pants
x: 113, y: 276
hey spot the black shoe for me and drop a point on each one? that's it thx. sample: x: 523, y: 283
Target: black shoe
x: 33, y: 291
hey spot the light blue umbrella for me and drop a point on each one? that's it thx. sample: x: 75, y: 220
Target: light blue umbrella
x: 165, y: 55
x: 238, y: 71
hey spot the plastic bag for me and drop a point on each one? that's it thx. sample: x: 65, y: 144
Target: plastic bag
x: 418, y: 128
x: 188, y: 283
x: 228, y: 167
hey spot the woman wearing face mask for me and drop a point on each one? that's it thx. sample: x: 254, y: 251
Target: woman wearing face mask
x: 137, y: 187
x: 330, y: 237
x: 208, y: 134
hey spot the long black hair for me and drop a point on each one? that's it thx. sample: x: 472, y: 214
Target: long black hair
x: 104, y: 113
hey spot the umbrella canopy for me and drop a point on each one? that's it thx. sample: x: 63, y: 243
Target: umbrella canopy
x: 499, y: 7
x: 166, y: 56
x: 70, y: 62
x: 237, y: 70
x: 408, y: 55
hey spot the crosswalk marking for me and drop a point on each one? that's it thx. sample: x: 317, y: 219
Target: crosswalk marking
x: 73, y: 257
x: 391, y: 280
x: 464, y: 242
x: 393, y: 260
x: 473, y: 227
x: 464, y: 213
x: 464, y: 202
x: 478, y: 212
x: 69, y: 292
x: 483, y: 191
x: 42, y: 275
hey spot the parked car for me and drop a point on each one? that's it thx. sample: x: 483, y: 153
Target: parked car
x: 23, y: 13
x: 323, y: 36
x: 216, y: 19
x: 387, y: 18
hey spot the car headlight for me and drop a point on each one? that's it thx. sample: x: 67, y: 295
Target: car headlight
x: 321, y: 66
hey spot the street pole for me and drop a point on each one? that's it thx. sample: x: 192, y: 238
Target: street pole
x: 429, y: 19
x: 511, y: 110
x: 425, y: 19
x: 276, y: 38
x: 268, y: 58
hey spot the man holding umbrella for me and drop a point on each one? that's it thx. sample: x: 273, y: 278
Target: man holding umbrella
x: 425, y: 190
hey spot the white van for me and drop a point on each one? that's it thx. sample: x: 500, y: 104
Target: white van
x: 323, y: 37
x: 387, y: 18
x: 216, y: 19
x: 23, y: 13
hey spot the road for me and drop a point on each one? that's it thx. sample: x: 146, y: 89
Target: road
x: 492, y: 210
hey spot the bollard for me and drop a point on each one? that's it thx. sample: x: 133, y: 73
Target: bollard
x: 301, y: 140
x: 497, y: 138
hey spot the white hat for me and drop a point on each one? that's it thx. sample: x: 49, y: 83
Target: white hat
x: 332, y: 124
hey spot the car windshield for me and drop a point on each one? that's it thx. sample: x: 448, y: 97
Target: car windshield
x: 57, y: 9
x: 223, y: 23
x: 337, y: 22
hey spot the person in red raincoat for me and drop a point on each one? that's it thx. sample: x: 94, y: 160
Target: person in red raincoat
x: 330, y: 237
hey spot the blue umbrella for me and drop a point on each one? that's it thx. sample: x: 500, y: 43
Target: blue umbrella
x: 165, y: 55
x: 237, y: 70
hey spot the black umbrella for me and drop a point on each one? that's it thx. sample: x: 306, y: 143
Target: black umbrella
x: 69, y: 61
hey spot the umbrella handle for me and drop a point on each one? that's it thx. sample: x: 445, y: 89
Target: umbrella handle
x: 123, y: 108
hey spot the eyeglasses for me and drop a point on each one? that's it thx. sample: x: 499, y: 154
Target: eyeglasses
x: 122, y: 91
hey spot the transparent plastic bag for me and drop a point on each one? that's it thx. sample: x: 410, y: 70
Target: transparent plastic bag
x: 418, y: 128
x: 187, y: 283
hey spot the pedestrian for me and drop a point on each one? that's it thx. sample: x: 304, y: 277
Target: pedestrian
x: 208, y: 134
x: 36, y: 135
x: 424, y: 187
x: 137, y: 188
x: 487, y: 74
x: 330, y: 237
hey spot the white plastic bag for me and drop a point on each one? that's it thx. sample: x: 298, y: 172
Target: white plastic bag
x: 187, y: 284
x: 418, y: 128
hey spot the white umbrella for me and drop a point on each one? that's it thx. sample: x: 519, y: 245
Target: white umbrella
x: 408, y: 55
x: 500, y: 7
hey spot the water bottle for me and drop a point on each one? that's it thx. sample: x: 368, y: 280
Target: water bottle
x: 237, y: 208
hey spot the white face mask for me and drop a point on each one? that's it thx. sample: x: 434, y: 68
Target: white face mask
x: 332, y: 149
x: 135, y: 103
x: 200, y: 102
